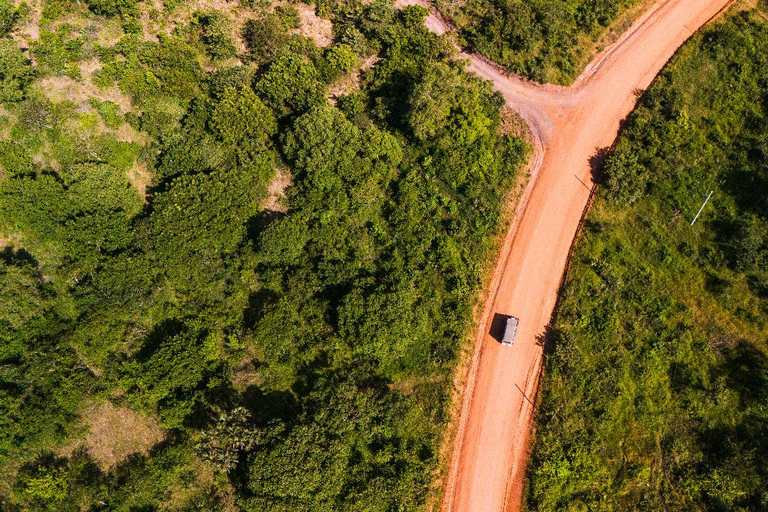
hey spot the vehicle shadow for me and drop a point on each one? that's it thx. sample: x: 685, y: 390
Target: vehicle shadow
x: 498, y: 324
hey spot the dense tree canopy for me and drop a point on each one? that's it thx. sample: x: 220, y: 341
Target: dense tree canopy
x: 194, y: 233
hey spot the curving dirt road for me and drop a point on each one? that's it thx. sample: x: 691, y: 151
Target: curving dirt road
x: 570, y: 125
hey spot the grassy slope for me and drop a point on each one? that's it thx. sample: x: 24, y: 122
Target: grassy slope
x: 654, y: 396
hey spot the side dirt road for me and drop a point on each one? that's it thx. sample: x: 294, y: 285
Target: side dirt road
x: 571, y: 126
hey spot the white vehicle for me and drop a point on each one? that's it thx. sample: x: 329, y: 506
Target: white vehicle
x: 509, y: 331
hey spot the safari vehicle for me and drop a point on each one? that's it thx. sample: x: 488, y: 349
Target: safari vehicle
x: 509, y: 331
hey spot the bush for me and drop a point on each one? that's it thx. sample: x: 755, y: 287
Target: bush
x: 59, y: 53
x: 8, y: 17
x: 113, y: 7
x: 241, y: 120
x: 215, y: 33
x: 290, y: 85
x: 340, y: 60
x: 289, y: 16
x: 265, y: 37
x: 16, y: 71
x: 109, y: 112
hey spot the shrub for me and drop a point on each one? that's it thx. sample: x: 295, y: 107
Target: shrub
x: 340, y: 59
x: 289, y: 16
x: 291, y: 84
x: 265, y: 38
x: 58, y: 53
x: 241, y: 120
x: 215, y: 33
x: 15, y: 159
x: 113, y: 7
x: 109, y: 112
x: 16, y: 71
x: 8, y: 17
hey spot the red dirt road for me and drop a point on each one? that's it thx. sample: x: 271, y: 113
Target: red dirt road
x: 569, y: 125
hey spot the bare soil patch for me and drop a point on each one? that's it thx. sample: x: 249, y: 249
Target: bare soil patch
x: 314, y: 26
x: 276, y: 199
x: 64, y: 88
x: 114, y: 433
x: 140, y: 177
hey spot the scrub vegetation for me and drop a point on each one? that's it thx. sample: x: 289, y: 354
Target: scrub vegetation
x: 167, y: 342
x: 654, y: 396
x: 545, y: 40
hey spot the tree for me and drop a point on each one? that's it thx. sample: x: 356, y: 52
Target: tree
x: 113, y: 7
x: 241, y: 120
x: 265, y: 37
x: 224, y: 443
x: 168, y: 372
x: 215, y: 28
x: 445, y: 110
x: 291, y: 85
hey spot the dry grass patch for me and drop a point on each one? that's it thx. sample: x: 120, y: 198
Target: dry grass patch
x: 63, y: 88
x: 315, y: 27
x: 140, y: 177
x: 351, y: 82
x: 114, y: 433
x: 246, y: 375
x: 513, y: 125
x: 31, y: 30
x: 276, y: 198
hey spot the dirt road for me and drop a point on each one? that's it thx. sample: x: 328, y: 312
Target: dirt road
x: 569, y: 126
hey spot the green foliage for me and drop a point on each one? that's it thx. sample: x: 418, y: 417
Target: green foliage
x: 83, y: 212
x: 169, y: 67
x: 113, y: 7
x: 58, y: 53
x: 109, y: 112
x: 9, y: 15
x: 15, y: 159
x: 303, y: 353
x: 339, y: 60
x: 16, y: 71
x: 545, y: 40
x: 168, y: 372
x: 289, y: 16
x: 241, y: 120
x: 266, y: 38
x: 654, y: 396
x: 223, y: 444
x: 215, y: 33
x: 290, y: 85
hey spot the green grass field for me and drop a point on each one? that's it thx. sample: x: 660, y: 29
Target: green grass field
x: 654, y: 393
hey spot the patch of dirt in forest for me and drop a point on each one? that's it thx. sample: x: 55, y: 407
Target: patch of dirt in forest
x: 127, y: 133
x: 314, y: 26
x: 140, y: 177
x: 114, y: 433
x: 246, y: 375
x: 63, y: 88
x: 351, y: 82
x: 109, y: 32
x: 31, y: 30
x: 276, y: 198
x: 89, y: 67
